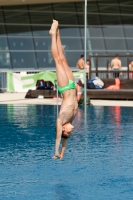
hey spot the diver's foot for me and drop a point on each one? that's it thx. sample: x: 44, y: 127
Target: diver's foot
x: 54, y: 27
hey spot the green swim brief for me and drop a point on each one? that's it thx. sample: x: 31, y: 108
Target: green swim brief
x: 69, y: 86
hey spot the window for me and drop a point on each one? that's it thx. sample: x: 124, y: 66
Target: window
x: 23, y: 60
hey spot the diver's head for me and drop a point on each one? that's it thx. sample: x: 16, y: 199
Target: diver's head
x: 67, y: 130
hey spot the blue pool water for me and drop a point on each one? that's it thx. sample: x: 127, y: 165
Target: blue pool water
x: 98, y: 163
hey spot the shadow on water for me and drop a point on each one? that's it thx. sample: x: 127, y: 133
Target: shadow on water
x: 64, y: 192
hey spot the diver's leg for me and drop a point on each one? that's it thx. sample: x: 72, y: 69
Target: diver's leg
x: 62, y: 56
x: 62, y: 77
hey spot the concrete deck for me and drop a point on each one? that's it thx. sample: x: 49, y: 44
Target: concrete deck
x: 19, y: 98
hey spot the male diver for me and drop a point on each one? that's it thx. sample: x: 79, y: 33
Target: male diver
x: 66, y: 87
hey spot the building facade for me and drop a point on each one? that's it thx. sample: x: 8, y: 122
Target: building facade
x: 24, y: 32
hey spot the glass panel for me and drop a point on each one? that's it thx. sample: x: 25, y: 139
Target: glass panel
x: 1, y: 15
x: 41, y: 17
x: 80, y: 6
x: 109, y: 13
x: 126, y: 9
x: 102, y: 61
x: 20, y: 43
x: 69, y: 15
x: 18, y: 30
x: 2, y: 27
x: 127, y: 20
x: 44, y: 60
x: 5, y: 60
x: 92, y: 32
x: 4, y: 56
x: 66, y: 18
x: 23, y: 60
x: 71, y: 44
x: 125, y: 3
x: 95, y: 44
x: 130, y: 44
x: 113, y: 31
x: 80, y: 19
x: 14, y: 8
x: 109, y: 7
x: 107, y: 19
x: 40, y: 30
x: 2, y: 30
x: 3, y: 39
x: 92, y: 7
x: 123, y: 59
x: 109, y: 2
x: 16, y: 14
x: 64, y: 7
x: 128, y: 31
x: 69, y: 32
x: 3, y: 43
x: 40, y: 7
x: 65, y: 13
x: 93, y: 19
x: 42, y: 43
x: 116, y: 44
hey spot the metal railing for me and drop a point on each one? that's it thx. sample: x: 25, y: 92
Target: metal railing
x: 106, y: 71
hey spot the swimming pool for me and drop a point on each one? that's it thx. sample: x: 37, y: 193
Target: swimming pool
x: 97, y: 164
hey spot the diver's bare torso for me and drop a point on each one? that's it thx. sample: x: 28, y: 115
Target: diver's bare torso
x: 69, y: 107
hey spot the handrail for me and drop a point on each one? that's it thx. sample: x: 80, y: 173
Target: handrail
x: 97, y: 70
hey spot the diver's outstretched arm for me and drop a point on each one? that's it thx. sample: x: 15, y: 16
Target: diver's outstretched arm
x: 64, y: 145
x: 58, y: 137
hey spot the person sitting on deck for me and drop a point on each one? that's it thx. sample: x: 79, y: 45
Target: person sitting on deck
x: 40, y: 84
x: 116, y: 86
